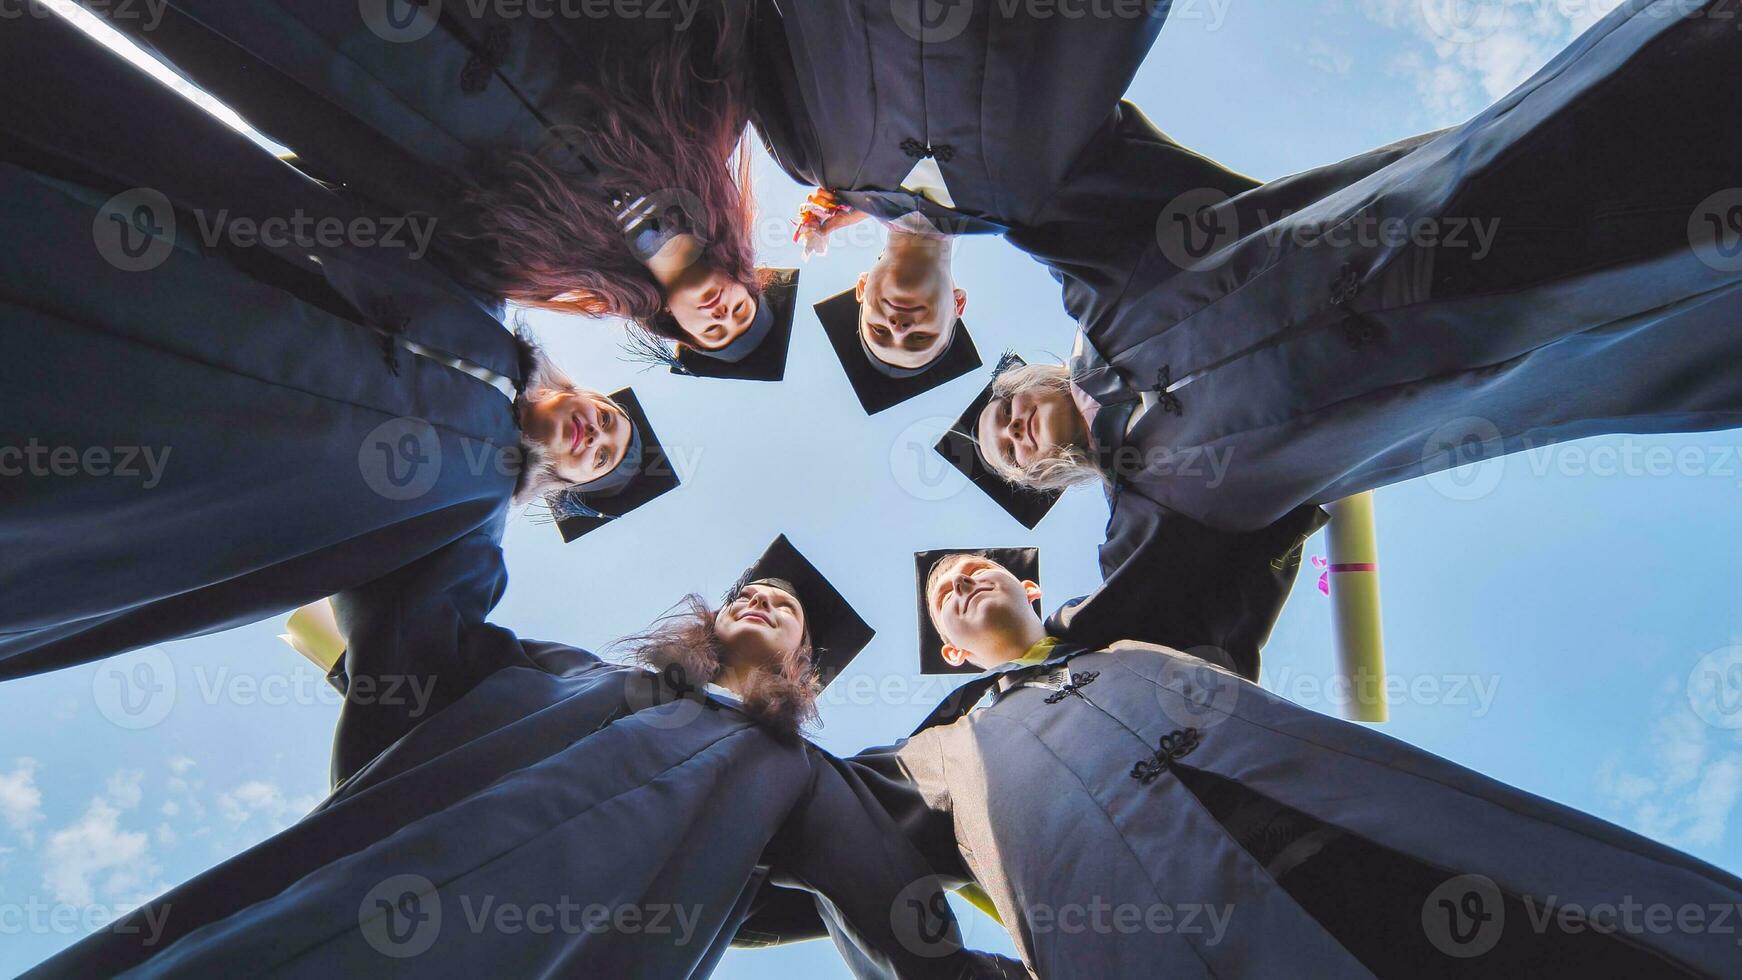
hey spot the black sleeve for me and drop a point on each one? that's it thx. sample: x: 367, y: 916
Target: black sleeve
x: 416, y: 640
x: 883, y: 905
x: 1168, y: 579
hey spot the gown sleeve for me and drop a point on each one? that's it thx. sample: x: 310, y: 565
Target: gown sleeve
x: 1170, y: 580
x: 882, y: 902
x: 416, y: 641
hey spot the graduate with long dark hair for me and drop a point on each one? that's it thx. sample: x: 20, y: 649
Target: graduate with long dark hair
x: 586, y: 162
x: 215, y: 423
x: 651, y: 800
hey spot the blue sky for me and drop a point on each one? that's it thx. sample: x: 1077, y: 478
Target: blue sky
x: 1552, y: 617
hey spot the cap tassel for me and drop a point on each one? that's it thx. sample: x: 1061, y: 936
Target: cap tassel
x: 641, y: 347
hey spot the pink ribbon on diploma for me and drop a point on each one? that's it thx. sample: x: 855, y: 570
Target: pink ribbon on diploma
x: 1319, y: 561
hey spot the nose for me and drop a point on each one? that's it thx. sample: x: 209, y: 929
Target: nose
x: 964, y: 585
x: 1018, y: 427
x: 759, y: 600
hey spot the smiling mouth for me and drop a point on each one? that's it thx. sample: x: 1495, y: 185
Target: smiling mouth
x: 575, y: 440
x: 968, y: 599
x: 764, y: 620
x: 1033, y: 429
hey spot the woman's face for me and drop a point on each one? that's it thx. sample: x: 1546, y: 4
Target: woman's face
x: 762, y: 626
x: 1014, y: 432
x: 711, y: 308
x: 583, y: 434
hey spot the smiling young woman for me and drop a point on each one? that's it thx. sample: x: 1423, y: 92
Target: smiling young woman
x: 537, y: 775
x: 588, y: 165
x: 318, y: 415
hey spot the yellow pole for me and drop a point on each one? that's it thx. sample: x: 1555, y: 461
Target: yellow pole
x: 1354, y: 581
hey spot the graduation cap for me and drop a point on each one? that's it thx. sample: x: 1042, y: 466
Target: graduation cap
x: 958, y: 447
x: 645, y: 473
x: 759, y: 353
x: 1024, y: 563
x: 837, y: 632
x: 879, y: 385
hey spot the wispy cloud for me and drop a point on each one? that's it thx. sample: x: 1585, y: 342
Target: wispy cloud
x: 1322, y: 55
x: 259, y: 798
x: 21, y: 800
x: 96, y: 852
x: 1689, y: 792
x: 1468, y: 53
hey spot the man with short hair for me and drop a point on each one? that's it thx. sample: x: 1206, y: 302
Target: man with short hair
x: 1131, y: 810
x: 955, y: 119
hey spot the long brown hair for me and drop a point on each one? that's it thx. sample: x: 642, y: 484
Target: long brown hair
x: 784, y: 700
x: 670, y: 119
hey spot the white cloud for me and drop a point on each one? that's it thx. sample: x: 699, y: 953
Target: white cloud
x: 180, y: 765
x: 265, y: 800
x: 20, y: 800
x: 1468, y: 53
x: 1691, y: 786
x: 124, y: 788
x: 1323, y: 56
x: 95, y: 847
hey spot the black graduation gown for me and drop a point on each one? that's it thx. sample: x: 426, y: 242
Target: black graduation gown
x: 405, y: 125
x: 1133, y: 811
x: 263, y: 379
x: 507, y: 807
x: 1169, y: 580
x: 1373, y: 335
x: 1017, y: 108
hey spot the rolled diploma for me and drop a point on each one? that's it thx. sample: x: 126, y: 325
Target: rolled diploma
x: 1354, y: 581
x: 313, y: 631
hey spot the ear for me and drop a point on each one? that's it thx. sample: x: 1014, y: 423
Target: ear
x: 1032, y: 590
x: 961, y: 300
x: 859, y: 287
x: 955, y: 656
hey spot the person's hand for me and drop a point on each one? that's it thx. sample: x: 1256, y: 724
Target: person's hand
x: 819, y: 216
